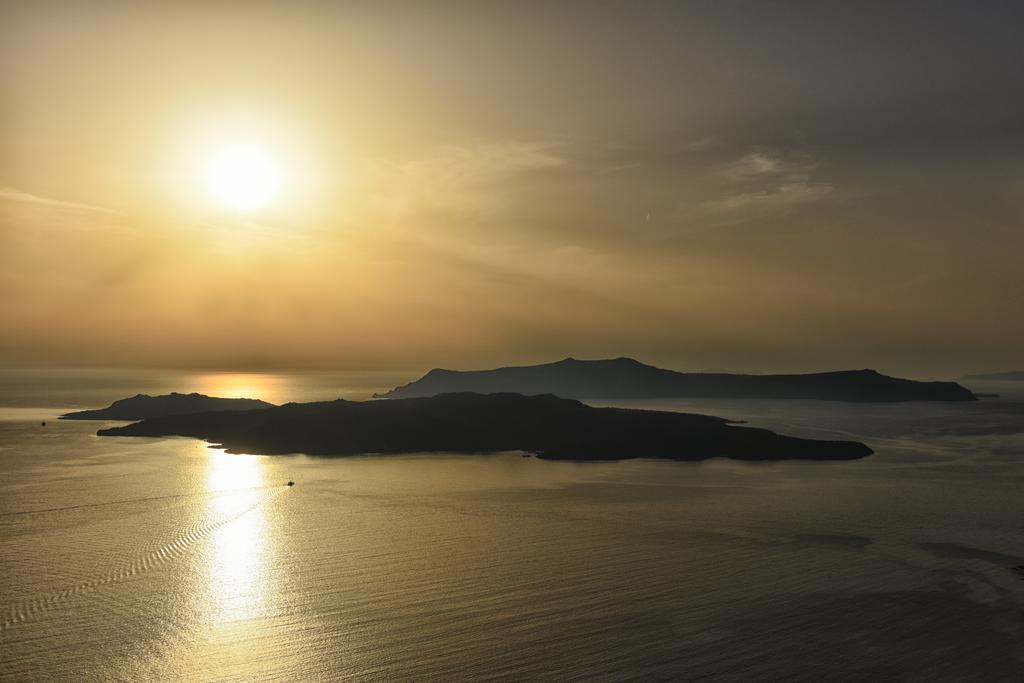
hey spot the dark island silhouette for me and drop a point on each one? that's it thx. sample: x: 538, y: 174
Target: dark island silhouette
x: 550, y: 427
x: 628, y: 378
x: 142, y: 406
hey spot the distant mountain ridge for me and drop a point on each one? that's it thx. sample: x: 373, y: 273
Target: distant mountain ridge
x: 549, y: 426
x: 142, y: 406
x: 1014, y: 376
x: 628, y: 378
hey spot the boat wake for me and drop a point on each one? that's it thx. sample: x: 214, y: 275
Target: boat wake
x: 26, y: 610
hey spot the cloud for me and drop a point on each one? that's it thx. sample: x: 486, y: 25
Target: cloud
x: 756, y: 165
x: 483, y: 160
x: 11, y: 194
x: 781, y: 196
x: 459, y: 179
x: 702, y: 143
x: 767, y: 180
x: 617, y: 168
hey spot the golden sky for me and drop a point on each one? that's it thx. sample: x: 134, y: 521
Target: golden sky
x: 704, y: 186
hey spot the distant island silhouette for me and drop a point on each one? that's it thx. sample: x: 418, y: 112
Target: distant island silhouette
x: 142, y: 406
x: 1014, y: 376
x: 550, y: 427
x: 628, y: 378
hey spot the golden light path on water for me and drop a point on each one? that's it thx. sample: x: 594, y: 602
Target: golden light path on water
x: 236, y: 561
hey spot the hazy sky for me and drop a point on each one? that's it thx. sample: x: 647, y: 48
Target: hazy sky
x: 763, y: 186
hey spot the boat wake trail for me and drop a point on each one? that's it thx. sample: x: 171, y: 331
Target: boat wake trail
x: 26, y: 610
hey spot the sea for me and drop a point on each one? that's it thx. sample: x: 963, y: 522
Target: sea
x: 136, y: 559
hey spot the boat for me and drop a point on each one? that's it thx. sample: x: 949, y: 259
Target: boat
x: 291, y: 483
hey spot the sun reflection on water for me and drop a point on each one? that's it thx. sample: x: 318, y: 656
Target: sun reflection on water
x: 236, y: 564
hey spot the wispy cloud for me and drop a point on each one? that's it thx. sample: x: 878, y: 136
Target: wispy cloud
x: 467, y: 179
x: 780, y: 196
x: 617, y: 168
x: 11, y: 194
x: 702, y: 143
x: 757, y: 165
x: 769, y: 180
x: 485, y: 160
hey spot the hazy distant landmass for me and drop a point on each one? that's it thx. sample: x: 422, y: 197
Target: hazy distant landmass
x: 142, y: 406
x: 628, y: 378
x: 546, y: 425
x: 1015, y: 376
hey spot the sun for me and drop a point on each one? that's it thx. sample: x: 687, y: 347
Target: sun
x: 242, y: 177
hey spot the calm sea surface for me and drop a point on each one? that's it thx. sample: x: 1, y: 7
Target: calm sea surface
x: 140, y: 559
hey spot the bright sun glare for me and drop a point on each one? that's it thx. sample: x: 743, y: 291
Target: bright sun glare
x: 244, y: 178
